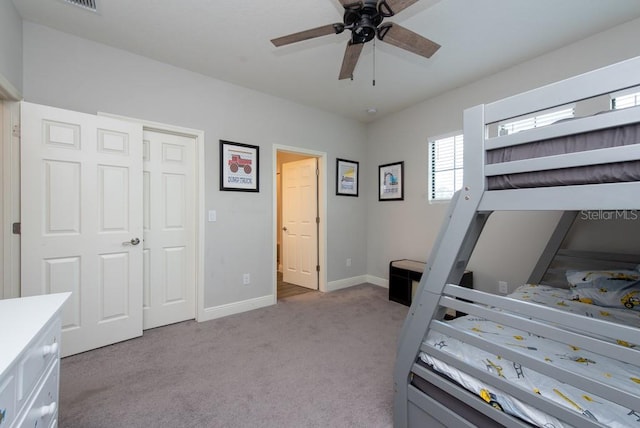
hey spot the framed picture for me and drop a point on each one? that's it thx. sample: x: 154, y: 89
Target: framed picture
x: 239, y: 167
x: 347, y: 175
x: 391, y: 182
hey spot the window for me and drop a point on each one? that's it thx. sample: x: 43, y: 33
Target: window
x: 535, y: 122
x: 624, y: 101
x: 445, y: 167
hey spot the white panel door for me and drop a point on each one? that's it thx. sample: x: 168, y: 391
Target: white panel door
x: 169, y: 228
x: 300, y: 229
x: 81, y: 205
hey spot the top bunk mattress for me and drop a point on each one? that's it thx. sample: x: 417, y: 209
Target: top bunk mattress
x: 593, y: 174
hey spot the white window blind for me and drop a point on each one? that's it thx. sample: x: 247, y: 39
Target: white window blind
x: 536, y: 121
x: 445, y: 167
x: 625, y: 101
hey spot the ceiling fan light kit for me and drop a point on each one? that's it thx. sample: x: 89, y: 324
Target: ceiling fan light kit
x: 364, y: 20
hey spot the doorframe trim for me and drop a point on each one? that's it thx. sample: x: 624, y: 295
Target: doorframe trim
x: 10, y: 116
x: 322, y: 209
x: 8, y: 91
x: 10, y: 97
x: 198, y: 136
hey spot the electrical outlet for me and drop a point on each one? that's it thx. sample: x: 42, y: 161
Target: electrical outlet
x: 349, y: 262
x: 503, y: 287
x: 246, y: 279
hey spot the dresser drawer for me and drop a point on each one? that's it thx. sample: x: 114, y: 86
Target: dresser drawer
x: 42, y: 410
x: 37, y: 359
x: 29, y: 360
x: 7, y: 400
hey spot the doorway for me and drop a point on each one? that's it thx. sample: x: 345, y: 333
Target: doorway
x: 300, y: 232
x: 176, y: 140
x: 169, y: 223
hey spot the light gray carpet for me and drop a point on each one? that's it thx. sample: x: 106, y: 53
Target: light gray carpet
x: 313, y: 360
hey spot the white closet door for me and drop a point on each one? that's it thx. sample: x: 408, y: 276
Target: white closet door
x: 81, y: 200
x: 300, y: 230
x: 169, y: 228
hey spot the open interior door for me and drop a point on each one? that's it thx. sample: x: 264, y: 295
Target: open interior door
x: 300, y: 228
x: 81, y: 205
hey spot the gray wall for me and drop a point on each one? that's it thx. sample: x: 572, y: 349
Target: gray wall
x: 10, y: 44
x: 73, y: 73
x: 76, y: 74
x: 512, y: 241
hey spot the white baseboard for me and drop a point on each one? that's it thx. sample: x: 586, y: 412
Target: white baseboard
x: 356, y: 280
x: 261, y: 302
x: 236, y: 307
x: 380, y: 282
x: 346, y: 283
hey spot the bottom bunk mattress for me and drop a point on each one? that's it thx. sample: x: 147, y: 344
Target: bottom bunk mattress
x: 621, y: 375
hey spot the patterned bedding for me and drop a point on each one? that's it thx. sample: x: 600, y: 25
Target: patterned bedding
x: 622, y: 375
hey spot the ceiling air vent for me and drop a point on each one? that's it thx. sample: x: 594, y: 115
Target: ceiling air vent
x: 85, y: 4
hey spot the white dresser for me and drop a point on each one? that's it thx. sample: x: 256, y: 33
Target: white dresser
x: 30, y: 360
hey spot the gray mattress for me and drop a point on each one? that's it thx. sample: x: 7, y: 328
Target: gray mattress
x: 592, y: 174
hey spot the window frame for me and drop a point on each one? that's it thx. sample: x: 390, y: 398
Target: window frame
x: 635, y: 92
x: 537, y: 120
x: 431, y: 173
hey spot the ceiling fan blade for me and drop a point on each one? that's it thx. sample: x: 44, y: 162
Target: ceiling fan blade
x: 391, y: 7
x: 351, y: 55
x: 309, y: 34
x: 406, y: 39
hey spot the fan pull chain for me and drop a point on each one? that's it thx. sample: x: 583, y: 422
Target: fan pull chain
x: 374, y: 62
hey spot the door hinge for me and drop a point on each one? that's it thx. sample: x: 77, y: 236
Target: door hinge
x: 16, y: 228
x: 16, y: 131
x: 318, y: 220
x: 317, y: 268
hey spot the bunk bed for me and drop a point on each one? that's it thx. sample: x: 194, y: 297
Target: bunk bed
x: 466, y: 372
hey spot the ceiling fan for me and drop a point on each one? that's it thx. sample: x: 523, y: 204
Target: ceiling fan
x: 364, y: 19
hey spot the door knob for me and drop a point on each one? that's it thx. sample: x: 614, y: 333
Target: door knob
x: 284, y: 228
x: 134, y: 241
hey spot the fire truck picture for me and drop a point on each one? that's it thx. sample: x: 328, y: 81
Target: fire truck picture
x: 236, y: 162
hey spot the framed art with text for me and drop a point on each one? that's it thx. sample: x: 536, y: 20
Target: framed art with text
x: 391, y: 182
x: 239, y: 167
x: 347, y: 175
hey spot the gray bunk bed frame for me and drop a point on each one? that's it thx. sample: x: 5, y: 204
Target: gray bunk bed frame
x: 442, y: 402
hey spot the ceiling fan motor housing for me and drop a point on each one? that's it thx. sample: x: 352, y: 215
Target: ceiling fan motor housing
x: 364, y: 19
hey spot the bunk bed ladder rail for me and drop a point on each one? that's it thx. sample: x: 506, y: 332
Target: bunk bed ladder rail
x: 542, y: 321
x: 446, y: 263
x: 454, y: 245
x: 553, y: 245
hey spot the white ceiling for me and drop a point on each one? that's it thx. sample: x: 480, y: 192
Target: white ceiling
x: 230, y: 40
